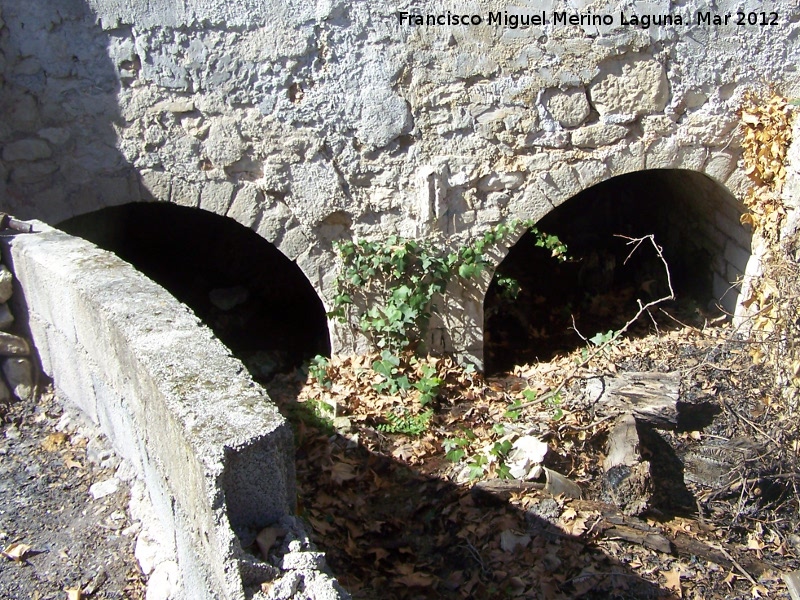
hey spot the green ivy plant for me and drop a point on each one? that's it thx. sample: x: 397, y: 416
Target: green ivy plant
x: 391, y: 285
x: 390, y: 288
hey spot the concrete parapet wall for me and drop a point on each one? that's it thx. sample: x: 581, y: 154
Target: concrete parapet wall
x: 216, y: 455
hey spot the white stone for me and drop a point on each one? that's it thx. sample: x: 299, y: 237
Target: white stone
x: 496, y: 182
x: 148, y: 552
x: 156, y: 185
x: 570, y: 108
x: 599, y: 134
x: 101, y: 489
x: 19, y: 376
x: 164, y: 582
x: 185, y: 193
x: 526, y: 453
x: 708, y: 128
x: 633, y: 85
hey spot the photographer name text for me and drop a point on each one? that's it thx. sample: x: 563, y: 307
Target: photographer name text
x: 516, y: 20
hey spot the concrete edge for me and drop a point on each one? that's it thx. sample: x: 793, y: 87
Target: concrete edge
x: 214, y: 452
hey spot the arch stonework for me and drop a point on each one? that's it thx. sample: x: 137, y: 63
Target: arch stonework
x: 312, y: 123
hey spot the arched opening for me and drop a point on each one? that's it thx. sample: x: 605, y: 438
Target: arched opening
x: 694, y: 219
x: 258, y: 302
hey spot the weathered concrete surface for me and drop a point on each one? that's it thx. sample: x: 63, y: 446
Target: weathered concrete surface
x: 311, y: 122
x: 212, y: 448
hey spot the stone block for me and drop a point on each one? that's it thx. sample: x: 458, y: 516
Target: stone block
x: 6, y: 284
x: 294, y: 242
x: 155, y: 185
x: 720, y: 165
x: 564, y: 178
x: 570, y: 108
x: 710, y: 129
x: 57, y: 136
x: 591, y: 172
x: 19, y: 376
x: 662, y: 154
x: 29, y: 149
x: 737, y: 256
x: 26, y: 173
x: 627, y: 159
x: 215, y: 196
x: 247, y: 206
x: 635, y: 85
x: 599, y: 134
x: 185, y: 193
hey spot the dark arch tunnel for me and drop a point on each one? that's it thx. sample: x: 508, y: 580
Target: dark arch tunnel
x: 693, y: 218
x: 257, y: 301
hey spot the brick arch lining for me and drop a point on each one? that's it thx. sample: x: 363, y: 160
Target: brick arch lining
x: 694, y: 219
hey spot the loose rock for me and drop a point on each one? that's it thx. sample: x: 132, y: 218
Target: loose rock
x: 19, y: 376
x: 13, y: 345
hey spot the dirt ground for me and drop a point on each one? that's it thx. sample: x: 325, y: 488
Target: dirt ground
x: 58, y: 541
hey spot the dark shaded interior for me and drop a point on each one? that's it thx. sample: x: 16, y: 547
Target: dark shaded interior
x: 258, y: 302
x: 600, y: 283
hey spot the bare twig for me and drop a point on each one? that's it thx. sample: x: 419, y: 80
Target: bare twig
x: 617, y: 334
x: 749, y: 422
x: 735, y: 563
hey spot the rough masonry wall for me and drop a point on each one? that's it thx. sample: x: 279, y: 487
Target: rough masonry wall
x: 311, y: 122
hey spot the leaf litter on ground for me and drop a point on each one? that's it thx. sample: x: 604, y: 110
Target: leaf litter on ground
x: 397, y: 518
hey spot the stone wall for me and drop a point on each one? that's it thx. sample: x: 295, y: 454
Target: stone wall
x: 310, y: 122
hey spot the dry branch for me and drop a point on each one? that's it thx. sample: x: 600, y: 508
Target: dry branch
x: 636, y: 242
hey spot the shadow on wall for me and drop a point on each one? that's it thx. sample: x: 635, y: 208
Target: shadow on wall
x: 58, y: 107
x: 257, y: 301
x: 694, y: 219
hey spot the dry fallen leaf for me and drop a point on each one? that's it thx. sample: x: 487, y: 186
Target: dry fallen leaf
x: 342, y: 472
x: 417, y: 580
x: 673, y: 581
x: 16, y: 551
x: 54, y: 441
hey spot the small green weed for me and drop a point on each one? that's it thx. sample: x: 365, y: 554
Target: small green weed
x: 318, y: 370
x: 406, y: 423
